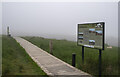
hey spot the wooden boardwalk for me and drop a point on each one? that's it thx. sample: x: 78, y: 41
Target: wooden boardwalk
x: 51, y: 65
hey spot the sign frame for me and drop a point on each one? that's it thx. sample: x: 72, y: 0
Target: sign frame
x: 103, y: 36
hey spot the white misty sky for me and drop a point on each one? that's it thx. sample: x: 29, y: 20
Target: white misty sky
x: 58, y: 19
x: 59, y: 0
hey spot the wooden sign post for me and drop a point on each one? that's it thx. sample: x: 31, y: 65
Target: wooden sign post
x: 50, y: 47
x: 8, y: 33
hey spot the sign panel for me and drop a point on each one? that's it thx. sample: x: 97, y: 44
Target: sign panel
x: 91, y: 35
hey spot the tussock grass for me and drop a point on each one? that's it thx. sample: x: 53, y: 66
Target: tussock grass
x: 15, y: 60
x: 63, y: 49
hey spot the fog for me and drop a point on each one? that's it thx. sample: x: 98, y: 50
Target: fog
x: 59, y: 19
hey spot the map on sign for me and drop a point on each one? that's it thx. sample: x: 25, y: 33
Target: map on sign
x: 91, y: 35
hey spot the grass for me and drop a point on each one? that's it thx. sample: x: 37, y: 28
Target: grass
x: 15, y: 60
x: 63, y: 49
